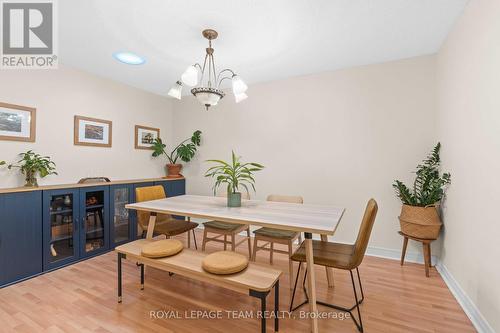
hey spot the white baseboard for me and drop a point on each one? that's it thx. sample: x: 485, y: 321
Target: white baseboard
x: 470, y: 309
x: 393, y: 254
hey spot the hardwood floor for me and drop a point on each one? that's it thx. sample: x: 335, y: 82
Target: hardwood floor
x: 82, y: 298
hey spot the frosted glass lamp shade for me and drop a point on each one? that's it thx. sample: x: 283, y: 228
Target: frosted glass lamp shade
x: 190, y: 76
x: 176, y: 90
x: 239, y: 87
x: 207, y: 96
x: 240, y: 97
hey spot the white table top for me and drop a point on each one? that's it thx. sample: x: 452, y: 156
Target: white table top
x: 288, y: 216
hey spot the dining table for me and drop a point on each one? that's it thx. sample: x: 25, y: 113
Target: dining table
x: 310, y: 219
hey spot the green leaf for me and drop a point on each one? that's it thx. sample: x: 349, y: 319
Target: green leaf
x: 428, y: 186
x: 233, y: 174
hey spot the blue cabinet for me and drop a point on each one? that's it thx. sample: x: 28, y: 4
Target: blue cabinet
x: 44, y: 229
x: 123, y: 226
x: 75, y: 224
x: 61, y: 232
x: 20, y: 236
x: 94, y: 216
x: 173, y: 187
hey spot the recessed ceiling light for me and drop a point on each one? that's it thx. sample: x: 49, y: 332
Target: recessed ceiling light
x: 129, y: 58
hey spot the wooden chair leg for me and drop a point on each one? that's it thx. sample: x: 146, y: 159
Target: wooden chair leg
x: 189, y: 240
x: 225, y: 242
x: 426, y: 258
x: 290, y: 264
x: 254, y: 255
x: 403, y: 253
x: 204, y: 242
x: 271, y: 253
x: 233, y: 242
x: 249, y: 243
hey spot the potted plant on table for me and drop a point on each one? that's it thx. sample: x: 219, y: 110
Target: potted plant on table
x: 184, y: 150
x: 234, y: 175
x: 31, y: 164
x: 419, y: 215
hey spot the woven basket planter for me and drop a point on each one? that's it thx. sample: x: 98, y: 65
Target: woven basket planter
x: 420, y: 222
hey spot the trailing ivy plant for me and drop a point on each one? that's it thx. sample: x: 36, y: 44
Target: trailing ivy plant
x: 32, y: 164
x: 233, y: 174
x: 429, y: 186
x: 184, y: 150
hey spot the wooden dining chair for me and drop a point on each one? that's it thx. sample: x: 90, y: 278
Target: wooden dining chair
x: 165, y: 223
x: 341, y: 256
x: 225, y: 230
x: 273, y: 236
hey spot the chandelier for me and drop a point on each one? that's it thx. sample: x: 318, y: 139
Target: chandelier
x: 205, y: 80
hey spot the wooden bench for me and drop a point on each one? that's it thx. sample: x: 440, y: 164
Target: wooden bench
x: 256, y: 280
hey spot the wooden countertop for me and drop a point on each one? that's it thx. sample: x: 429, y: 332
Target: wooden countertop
x: 63, y: 186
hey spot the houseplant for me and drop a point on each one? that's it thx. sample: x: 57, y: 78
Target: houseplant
x: 234, y: 175
x: 32, y: 164
x: 184, y: 150
x: 419, y: 214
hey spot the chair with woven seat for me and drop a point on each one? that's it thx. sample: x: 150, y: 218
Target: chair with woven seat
x: 277, y: 236
x: 223, y: 230
x: 165, y: 224
x: 340, y: 256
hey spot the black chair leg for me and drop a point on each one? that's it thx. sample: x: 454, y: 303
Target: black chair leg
x: 359, y: 324
x: 295, y: 286
x: 194, y: 237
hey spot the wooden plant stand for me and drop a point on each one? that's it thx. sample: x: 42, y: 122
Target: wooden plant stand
x: 426, y: 245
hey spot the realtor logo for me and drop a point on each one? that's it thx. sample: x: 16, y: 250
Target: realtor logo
x: 28, y: 32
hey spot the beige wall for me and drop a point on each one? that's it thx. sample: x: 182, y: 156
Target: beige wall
x: 468, y: 76
x: 60, y: 94
x: 334, y: 138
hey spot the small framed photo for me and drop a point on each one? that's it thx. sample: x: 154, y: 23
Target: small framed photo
x: 145, y: 136
x: 93, y: 132
x: 17, y: 123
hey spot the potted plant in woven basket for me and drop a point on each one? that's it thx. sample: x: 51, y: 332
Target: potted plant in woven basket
x: 234, y: 175
x: 184, y: 150
x: 419, y: 215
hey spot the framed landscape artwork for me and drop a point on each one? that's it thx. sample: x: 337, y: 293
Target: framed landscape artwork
x: 145, y: 136
x: 17, y: 123
x: 93, y: 132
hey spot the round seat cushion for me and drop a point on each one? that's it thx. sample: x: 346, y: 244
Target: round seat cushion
x: 224, y: 262
x: 162, y: 248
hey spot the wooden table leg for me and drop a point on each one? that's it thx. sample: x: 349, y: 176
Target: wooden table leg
x: 329, y: 270
x: 311, y: 281
x: 403, y: 253
x: 151, y: 225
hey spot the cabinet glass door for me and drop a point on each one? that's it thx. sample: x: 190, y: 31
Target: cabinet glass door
x: 60, y: 236
x: 94, y: 218
x: 121, y: 218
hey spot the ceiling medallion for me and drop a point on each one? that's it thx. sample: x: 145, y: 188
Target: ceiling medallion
x: 206, y: 81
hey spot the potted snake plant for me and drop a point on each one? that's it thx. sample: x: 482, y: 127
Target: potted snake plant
x: 235, y: 175
x: 419, y: 214
x: 184, y: 151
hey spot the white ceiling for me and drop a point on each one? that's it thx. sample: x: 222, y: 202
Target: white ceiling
x: 262, y: 40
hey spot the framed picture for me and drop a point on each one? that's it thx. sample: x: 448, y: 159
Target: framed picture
x: 145, y: 136
x: 17, y: 123
x: 93, y: 132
